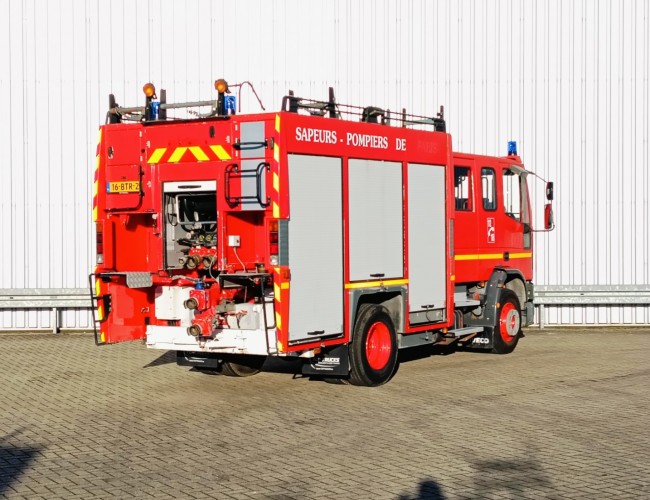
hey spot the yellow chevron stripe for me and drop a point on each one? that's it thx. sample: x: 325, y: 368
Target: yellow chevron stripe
x: 100, y: 308
x: 277, y: 123
x: 156, y: 155
x: 276, y: 292
x: 374, y: 284
x: 276, y: 182
x: 198, y: 153
x: 220, y: 152
x: 276, y: 211
x: 97, y: 162
x: 276, y: 152
x: 278, y: 326
x: 177, y: 154
x: 95, y: 188
x: 94, y: 214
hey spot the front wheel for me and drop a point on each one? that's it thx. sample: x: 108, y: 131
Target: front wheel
x: 507, y: 329
x: 373, y: 352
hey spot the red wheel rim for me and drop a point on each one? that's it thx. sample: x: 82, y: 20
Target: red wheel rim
x: 378, y: 345
x: 509, y: 322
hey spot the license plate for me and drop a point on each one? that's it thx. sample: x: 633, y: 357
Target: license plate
x: 123, y: 187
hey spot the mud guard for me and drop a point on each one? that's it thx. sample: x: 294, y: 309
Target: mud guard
x: 198, y: 359
x: 492, y: 292
x: 331, y: 362
x: 485, y: 339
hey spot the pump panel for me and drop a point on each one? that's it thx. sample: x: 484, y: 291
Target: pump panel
x: 190, y: 211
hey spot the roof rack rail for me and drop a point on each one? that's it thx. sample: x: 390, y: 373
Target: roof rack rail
x: 156, y: 110
x: 368, y: 114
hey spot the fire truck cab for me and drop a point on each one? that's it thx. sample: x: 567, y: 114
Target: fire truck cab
x: 305, y: 234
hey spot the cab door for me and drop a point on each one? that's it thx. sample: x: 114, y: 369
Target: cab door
x: 516, y: 236
x: 465, y: 237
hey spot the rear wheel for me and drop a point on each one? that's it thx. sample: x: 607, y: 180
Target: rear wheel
x: 373, y: 352
x: 244, y: 366
x: 507, y: 329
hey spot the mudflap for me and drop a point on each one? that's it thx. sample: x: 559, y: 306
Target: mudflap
x: 332, y: 362
x: 198, y: 359
x: 482, y: 341
x: 529, y: 313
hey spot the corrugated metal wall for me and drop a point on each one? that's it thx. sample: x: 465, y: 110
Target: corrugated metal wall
x: 567, y: 79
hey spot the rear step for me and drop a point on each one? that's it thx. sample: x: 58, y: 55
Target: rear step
x: 461, y: 332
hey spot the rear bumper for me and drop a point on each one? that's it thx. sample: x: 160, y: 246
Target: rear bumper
x: 226, y: 341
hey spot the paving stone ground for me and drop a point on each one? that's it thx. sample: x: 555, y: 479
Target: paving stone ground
x: 567, y: 415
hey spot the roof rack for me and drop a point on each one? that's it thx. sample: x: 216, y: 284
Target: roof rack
x: 117, y: 113
x: 368, y: 114
x: 223, y: 107
x: 156, y: 110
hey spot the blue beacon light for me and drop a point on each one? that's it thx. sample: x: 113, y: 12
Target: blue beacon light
x: 512, y: 148
x: 230, y: 104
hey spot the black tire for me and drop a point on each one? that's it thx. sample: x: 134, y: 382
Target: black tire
x: 507, y: 328
x: 244, y: 366
x: 373, y: 351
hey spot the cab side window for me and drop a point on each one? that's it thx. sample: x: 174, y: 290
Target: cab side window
x: 511, y: 194
x: 463, y: 189
x: 489, y: 188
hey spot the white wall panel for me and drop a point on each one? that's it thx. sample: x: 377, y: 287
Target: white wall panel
x: 567, y: 79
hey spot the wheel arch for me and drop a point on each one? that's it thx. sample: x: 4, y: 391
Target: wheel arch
x: 393, y: 299
x: 516, y: 282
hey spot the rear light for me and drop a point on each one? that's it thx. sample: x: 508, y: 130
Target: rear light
x: 100, y: 242
x: 273, y: 243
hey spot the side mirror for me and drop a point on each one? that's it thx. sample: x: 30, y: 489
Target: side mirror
x: 549, y: 221
x: 549, y: 191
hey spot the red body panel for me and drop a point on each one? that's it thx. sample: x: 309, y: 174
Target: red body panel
x: 189, y: 154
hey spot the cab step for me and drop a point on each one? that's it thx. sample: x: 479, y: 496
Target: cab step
x: 461, y: 332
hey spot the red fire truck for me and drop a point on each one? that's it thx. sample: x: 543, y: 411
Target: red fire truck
x: 328, y: 233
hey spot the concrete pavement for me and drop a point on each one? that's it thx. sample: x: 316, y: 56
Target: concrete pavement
x: 567, y: 415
